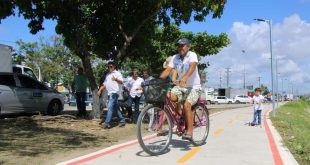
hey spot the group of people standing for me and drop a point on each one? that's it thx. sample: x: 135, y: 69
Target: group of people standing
x: 112, y: 84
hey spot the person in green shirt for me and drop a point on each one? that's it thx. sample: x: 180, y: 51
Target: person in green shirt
x: 79, y: 87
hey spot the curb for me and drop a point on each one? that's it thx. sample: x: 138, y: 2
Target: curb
x: 282, y: 155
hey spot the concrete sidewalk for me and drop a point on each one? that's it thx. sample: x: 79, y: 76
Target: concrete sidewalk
x: 231, y: 141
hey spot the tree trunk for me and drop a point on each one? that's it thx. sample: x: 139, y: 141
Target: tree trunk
x: 95, y: 114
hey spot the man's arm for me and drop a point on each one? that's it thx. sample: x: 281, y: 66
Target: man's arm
x: 119, y: 81
x: 165, y: 73
x: 190, y: 71
x: 118, y: 78
x: 100, y: 90
x: 174, y: 75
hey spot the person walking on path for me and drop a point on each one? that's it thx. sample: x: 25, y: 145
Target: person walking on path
x: 112, y: 84
x: 79, y: 88
x: 134, y: 88
x: 258, y: 100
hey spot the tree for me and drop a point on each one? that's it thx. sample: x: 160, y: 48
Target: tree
x: 111, y: 29
x: 55, y: 60
x: 265, y: 89
x: 162, y: 45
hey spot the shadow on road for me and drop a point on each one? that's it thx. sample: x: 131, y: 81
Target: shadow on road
x: 175, y: 143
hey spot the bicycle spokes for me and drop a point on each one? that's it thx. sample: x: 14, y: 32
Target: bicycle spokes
x: 201, y: 125
x: 158, y: 126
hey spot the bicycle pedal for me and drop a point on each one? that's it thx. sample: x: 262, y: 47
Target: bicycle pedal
x: 180, y: 134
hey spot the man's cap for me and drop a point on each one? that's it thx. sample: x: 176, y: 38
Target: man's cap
x: 183, y: 41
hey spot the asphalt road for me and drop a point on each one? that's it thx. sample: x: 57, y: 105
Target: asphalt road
x: 231, y: 141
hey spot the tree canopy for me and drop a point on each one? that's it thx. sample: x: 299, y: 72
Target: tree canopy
x: 109, y: 29
x: 162, y: 45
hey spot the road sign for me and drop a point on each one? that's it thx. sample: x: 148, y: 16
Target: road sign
x: 250, y: 87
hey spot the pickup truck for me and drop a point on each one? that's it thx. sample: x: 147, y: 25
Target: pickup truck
x: 222, y: 100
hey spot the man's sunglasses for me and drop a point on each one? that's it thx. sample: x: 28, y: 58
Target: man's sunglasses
x: 110, y: 66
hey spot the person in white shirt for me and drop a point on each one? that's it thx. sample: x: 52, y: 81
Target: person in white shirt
x: 133, y: 86
x: 258, y: 100
x: 112, y: 83
x: 189, y: 88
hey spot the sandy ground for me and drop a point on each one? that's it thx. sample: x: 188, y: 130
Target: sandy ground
x: 37, y: 139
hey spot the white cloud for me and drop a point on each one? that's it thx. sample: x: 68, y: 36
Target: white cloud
x: 291, y: 42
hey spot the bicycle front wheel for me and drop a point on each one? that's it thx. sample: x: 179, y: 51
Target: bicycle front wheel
x: 154, y: 130
x: 201, y: 124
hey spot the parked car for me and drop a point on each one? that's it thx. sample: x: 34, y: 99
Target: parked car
x: 21, y: 93
x: 242, y: 99
x: 89, y: 101
x: 223, y: 100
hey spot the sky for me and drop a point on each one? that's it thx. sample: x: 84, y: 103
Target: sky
x: 291, y: 38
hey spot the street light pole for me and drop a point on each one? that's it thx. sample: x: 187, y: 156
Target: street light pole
x: 277, y: 81
x: 269, y: 21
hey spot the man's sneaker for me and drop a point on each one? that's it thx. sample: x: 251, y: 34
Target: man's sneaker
x: 188, y: 137
x: 105, y: 126
x: 121, y: 125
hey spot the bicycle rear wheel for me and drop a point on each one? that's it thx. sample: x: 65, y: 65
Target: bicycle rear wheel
x: 201, y: 124
x: 154, y: 130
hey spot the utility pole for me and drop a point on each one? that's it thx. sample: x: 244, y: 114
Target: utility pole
x: 269, y: 21
x: 220, y: 79
x: 227, y: 74
x: 259, y: 78
x: 282, y: 92
x: 244, y: 73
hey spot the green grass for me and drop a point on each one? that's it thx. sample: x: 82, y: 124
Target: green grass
x: 293, y: 123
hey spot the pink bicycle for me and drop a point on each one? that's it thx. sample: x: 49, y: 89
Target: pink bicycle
x: 159, y: 120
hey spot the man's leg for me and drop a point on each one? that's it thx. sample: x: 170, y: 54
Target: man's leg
x: 117, y: 110
x: 110, y: 110
x: 83, y: 104
x: 78, y: 103
x: 259, y: 114
x: 191, y: 99
x: 255, y: 116
x: 137, y: 108
x: 129, y: 107
x: 188, y: 117
x: 176, y: 96
x: 151, y: 116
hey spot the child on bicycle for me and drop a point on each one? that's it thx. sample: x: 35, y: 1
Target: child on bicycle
x: 189, y: 87
x: 258, y: 100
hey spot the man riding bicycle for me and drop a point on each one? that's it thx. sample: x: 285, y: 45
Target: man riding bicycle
x: 189, y: 87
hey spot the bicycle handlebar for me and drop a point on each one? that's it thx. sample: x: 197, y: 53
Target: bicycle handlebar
x: 163, y: 82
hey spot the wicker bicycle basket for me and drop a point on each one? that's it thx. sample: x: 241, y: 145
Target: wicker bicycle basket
x: 155, y: 90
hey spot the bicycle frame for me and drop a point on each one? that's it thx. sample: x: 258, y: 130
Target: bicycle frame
x: 171, y: 108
